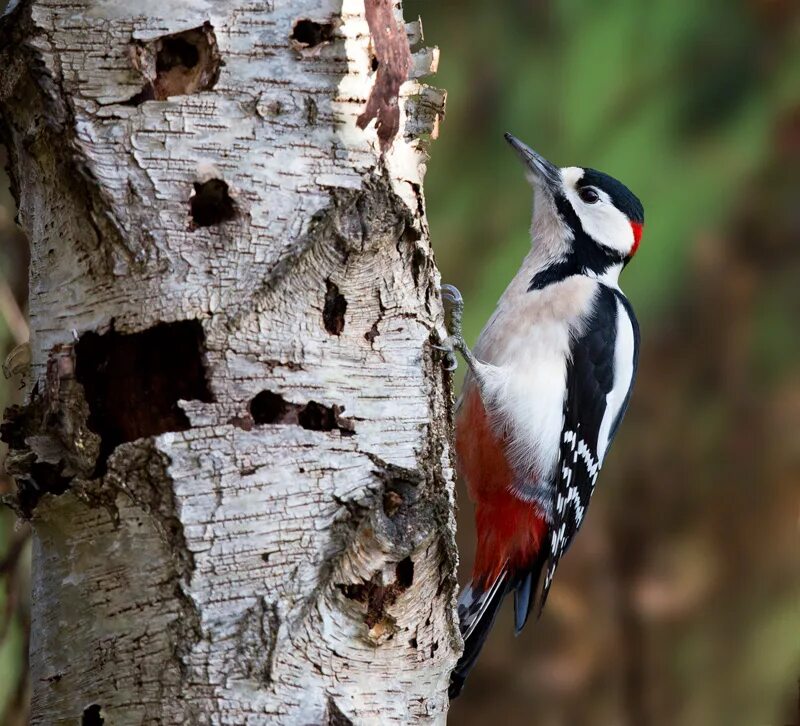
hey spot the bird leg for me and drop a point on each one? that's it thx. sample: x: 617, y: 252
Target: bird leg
x: 455, y: 340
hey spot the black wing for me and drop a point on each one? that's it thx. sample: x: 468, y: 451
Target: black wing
x: 590, y: 378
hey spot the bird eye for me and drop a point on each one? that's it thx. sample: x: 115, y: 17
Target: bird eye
x: 588, y: 195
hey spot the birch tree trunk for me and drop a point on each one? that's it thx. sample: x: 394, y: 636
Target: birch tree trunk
x: 234, y: 451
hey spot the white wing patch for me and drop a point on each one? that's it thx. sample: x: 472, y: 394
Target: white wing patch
x: 623, y: 373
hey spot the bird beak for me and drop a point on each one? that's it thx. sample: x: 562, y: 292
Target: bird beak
x: 542, y: 170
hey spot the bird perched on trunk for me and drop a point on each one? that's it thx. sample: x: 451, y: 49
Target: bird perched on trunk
x: 548, y: 383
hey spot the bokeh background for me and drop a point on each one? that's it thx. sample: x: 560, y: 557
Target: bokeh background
x: 679, y: 603
x: 14, y: 537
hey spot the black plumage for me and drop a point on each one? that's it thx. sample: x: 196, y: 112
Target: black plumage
x: 590, y: 378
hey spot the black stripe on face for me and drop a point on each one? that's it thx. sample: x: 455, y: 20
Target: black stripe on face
x: 584, y: 256
x: 621, y: 197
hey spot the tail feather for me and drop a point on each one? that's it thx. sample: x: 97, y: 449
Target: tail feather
x: 478, y: 608
x: 522, y: 602
x: 475, y: 603
x: 525, y: 589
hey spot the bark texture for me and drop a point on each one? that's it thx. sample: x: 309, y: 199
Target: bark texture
x: 234, y: 450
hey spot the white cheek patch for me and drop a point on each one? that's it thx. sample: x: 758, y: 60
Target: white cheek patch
x: 602, y: 221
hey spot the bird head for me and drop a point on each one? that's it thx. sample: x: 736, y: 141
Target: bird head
x: 582, y: 211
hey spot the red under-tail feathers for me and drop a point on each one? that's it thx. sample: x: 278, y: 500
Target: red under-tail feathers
x: 511, y: 547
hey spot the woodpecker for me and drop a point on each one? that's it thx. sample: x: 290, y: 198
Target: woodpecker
x: 548, y: 383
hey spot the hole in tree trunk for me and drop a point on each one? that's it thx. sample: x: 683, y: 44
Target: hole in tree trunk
x: 309, y: 33
x: 177, y: 65
x: 404, y: 573
x: 176, y: 52
x: 270, y: 408
x: 133, y: 382
x: 316, y: 417
x: 92, y: 716
x: 334, y: 309
x: 211, y: 203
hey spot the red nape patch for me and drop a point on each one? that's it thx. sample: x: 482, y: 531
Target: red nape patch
x: 637, y: 236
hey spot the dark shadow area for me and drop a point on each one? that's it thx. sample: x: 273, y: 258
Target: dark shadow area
x: 211, y: 203
x: 133, y: 382
x: 309, y: 33
x: 271, y: 408
x: 177, y: 65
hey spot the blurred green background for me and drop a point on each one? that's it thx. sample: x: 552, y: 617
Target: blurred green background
x: 14, y: 537
x: 680, y: 601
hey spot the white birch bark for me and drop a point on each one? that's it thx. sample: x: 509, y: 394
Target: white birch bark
x: 234, y: 450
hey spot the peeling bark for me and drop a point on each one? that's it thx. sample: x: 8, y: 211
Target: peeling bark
x: 391, y: 60
x: 234, y: 449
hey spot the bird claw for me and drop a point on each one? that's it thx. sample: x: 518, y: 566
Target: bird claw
x: 454, y: 304
x: 449, y: 358
x: 451, y: 294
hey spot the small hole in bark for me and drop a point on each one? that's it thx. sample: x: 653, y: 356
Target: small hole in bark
x: 176, y: 52
x: 270, y: 408
x: 265, y: 556
x: 374, y: 63
x: 317, y: 417
x: 413, y: 643
x: 211, y: 203
x: 267, y: 408
x: 334, y: 309
x: 133, y: 382
x: 92, y: 716
x: 404, y: 572
x: 308, y: 33
x: 177, y: 65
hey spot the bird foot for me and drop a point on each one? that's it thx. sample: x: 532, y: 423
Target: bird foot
x: 448, y: 348
x: 454, y: 306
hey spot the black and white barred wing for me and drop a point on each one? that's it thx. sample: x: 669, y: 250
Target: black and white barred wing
x: 599, y: 383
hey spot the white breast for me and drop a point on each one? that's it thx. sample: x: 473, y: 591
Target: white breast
x: 528, y: 343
